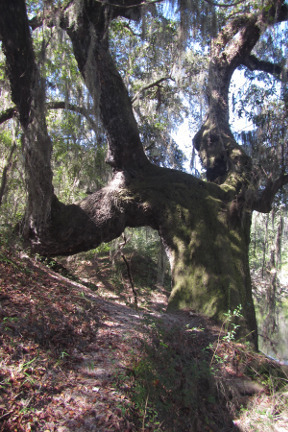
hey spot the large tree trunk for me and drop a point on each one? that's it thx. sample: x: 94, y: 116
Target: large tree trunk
x: 206, y: 241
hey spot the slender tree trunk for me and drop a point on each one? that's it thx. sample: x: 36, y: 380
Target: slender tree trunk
x: 5, y: 172
x: 265, y: 247
x: 162, y: 265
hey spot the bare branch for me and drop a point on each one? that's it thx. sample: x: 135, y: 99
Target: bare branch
x: 148, y: 86
x: 140, y: 4
x: 9, y: 113
x: 253, y: 63
x: 265, y: 199
x: 75, y: 108
x: 225, y: 5
x: 126, y: 25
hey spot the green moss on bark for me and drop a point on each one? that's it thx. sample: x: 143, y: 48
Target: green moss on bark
x: 208, y: 250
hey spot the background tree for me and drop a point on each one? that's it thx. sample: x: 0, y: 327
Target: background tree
x: 204, y: 225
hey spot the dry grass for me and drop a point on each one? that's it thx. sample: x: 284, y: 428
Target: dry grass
x: 267, y: 413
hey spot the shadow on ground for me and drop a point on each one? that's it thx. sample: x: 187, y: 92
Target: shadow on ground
x: 72, y: 360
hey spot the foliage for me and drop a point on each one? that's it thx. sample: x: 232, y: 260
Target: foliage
x: 268, y: 260
x: 264, y: 239
x: 14, y: 195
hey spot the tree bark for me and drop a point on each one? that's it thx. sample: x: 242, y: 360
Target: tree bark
x: 89, y: 38
x: 28, y: 94
x: 206, y: 243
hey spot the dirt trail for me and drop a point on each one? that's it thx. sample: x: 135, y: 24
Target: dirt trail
x: 64, y: 349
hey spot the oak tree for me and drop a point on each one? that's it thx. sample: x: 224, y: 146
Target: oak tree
x: 204, y: 224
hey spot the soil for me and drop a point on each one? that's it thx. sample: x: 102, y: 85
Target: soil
x: 68, y: 352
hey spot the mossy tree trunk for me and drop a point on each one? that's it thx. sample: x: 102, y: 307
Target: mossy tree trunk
x: 207, y: 245
x: 205, y: 226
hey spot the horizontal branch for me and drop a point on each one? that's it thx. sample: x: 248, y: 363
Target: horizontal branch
x: 263, y: 203
x: 74, y: 108
x: 8, y: 114
x: 129, y: 6
x: 148, y: 86
x: 223, y: 5
x: 254, y: 64
x: 122, y: 10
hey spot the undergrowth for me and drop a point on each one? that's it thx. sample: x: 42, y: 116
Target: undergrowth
x: 180, y: 383
x: 173, y: 387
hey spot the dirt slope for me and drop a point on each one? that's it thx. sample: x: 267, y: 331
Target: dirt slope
x: 72, y: 360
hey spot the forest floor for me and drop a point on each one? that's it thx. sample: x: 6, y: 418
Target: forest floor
x: 79, y: 356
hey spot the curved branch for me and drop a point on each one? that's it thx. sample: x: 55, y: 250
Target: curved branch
x: 148, y: 86
x: 225, y: 5
x: 74, y: 108
x: 220, y: 154
x: 128, y: 10
x: 129, y: 6
x: 106, y: 86
x: 8, y: 114
x: 28, y: 94
x: 263, y: 203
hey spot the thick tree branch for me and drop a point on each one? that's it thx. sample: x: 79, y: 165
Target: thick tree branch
x: 28, y: 94
x: 8, y: 114
x: 108, y: 90
x: 128, y: 9
x: 253, y: 63
x: 20, y: 59
x: 219, y: 152
x: 263, y: 203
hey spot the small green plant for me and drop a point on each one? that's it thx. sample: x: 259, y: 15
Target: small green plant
x: 229, y: 327
x: 63, y: 355
x: 230, y: 324
x: 61, y: 359
x: 10, y: 319
x: 28, y: 364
